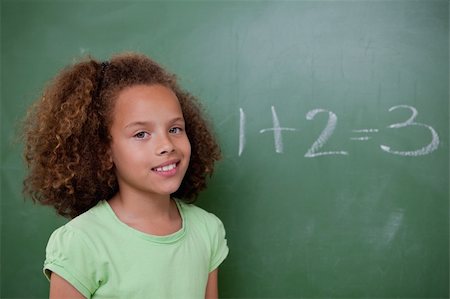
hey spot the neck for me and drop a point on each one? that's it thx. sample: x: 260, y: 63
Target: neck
x: 132, y: 206
x: 148, y: 214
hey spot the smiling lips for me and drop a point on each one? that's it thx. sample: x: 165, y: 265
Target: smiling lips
x: 166, y: 170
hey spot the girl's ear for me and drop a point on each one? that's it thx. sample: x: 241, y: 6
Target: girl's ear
x: 109, y: 160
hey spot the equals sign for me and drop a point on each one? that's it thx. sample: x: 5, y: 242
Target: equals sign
x: 364, y: 138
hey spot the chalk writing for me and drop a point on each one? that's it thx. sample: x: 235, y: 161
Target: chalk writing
x: 316, y: 148
x: 410, y: 122
x: 364, y: 138
x: 278, y: 139
x: 241, y: 131
x: 324, y: 136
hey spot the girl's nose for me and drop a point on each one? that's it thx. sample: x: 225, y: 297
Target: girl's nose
x: 165, y: 146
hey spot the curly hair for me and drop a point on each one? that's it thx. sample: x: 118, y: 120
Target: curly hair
x: 66, y: 134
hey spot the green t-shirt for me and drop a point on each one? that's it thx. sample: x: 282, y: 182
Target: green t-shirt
x: 103, y: 257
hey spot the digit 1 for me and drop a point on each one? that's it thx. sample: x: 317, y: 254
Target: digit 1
x: 241, y: 131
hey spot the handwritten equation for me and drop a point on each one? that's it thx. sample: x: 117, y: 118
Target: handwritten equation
x: 317, y: 148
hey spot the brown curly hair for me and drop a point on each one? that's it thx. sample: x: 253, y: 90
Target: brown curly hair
x: 66, y: 134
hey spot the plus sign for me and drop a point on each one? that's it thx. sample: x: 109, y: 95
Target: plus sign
x: 277, y: 129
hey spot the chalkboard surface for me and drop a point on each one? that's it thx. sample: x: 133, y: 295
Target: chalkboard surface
x: 333, y: 117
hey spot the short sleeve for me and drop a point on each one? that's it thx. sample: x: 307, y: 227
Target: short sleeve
x: 68, y: 255
x: 219, y: 247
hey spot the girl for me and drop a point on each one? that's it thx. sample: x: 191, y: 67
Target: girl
x: 119, y: 147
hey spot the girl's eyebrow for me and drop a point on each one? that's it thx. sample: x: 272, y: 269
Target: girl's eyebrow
x: 147, y: 123
x: 177, y: 119
x: 138, y: 124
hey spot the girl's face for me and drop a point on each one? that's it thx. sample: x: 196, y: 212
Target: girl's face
x: 149, y: 147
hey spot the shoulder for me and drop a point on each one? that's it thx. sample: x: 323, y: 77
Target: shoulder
x: 201, y: 221
x: 211, y: 230
x: 94, y: 216
x: 197, y: 214
x: 73, y: 253
x: 80, y: 227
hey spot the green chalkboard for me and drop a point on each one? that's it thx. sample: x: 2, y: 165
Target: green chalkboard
x: 333, y: 117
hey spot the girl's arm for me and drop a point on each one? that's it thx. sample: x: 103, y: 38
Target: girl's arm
x: 61, y: 289
x: 212, y: 291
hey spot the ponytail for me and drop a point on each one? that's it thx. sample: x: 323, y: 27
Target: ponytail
x: 60, y: 130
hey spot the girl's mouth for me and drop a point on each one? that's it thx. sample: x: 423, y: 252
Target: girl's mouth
x: 165, y: 168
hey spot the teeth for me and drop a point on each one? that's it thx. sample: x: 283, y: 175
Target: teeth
x: 166, y: 168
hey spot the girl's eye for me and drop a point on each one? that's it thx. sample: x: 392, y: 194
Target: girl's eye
x: 175, y: 130
x: 141, y: 135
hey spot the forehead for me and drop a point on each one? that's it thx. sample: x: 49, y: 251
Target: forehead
x: 146, y: 101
